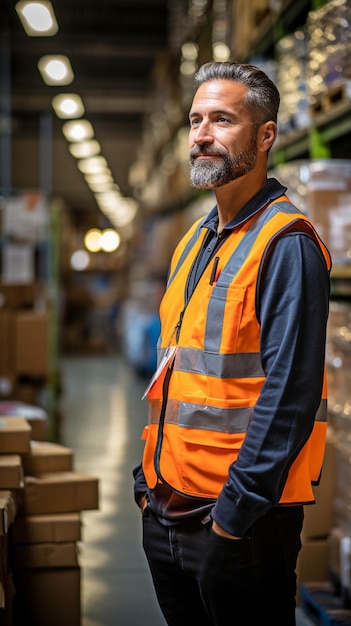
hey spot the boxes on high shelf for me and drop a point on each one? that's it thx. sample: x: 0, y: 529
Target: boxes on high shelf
x: 328, y: 202
x: 31, y: 337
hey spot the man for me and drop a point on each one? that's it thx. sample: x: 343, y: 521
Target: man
x: 237, y: 407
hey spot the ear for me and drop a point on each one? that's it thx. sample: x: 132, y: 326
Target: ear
x: 266, y: 136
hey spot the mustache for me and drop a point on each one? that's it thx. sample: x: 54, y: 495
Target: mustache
x: 206, y: 149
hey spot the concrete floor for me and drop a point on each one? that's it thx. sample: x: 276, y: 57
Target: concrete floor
x: 102, y: 420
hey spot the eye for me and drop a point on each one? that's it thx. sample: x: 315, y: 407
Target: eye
x: 195, y: 121
x: 222, y: 120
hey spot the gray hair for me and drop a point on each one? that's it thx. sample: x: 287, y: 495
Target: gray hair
x: 263, y: 97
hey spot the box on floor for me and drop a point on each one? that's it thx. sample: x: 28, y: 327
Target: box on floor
x: 7, y: 594
x: 312, y: 563
x: 49, y: 590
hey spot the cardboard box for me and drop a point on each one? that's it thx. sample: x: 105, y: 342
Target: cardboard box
x: 4, y: 556
x: 15, y: 433
x: 35, y: 416
x: 48, y: 597
x: 59, y: 492
x: 6, y: 342
x: 7, y: 594
x: 18, y: 296
x: 32, y: 344
x: 11, y: 471
x: 319, y: 517
x: 64, y: 527
x: 8, y: 510
x: 335, y: 538
x: 329, y: 210
x: 45, y: 555
x: 48, y: 590
x: 47, y: 457
x: 312, y: 563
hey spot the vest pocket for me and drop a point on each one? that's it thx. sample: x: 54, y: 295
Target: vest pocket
x: 224, y: 317
x: 205, y: 457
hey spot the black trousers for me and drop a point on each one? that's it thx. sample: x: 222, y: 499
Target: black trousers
x: 203, y: 579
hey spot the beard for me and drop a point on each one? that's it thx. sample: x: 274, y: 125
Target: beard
x: 220, y: 171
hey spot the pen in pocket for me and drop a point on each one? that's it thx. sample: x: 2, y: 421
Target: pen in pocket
x: 214, y: 270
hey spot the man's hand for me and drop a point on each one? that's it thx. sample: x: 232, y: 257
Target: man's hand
x: 143, y: 503
x: 223, y: 533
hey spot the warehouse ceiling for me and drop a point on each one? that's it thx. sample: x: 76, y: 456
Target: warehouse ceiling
x: 115, y: 48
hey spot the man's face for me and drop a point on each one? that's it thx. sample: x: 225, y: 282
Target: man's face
x: 222, y: 138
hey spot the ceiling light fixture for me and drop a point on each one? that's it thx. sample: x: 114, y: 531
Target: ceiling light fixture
x: 68, y: 105
x: 92, y: 240
x: 84, y: 149
x: 110, y: 240
x: 56, y: 69
x: 80, y: 260
x: 100, y: 187
x: 220, y: 51
x: 104, y: 178
x: 93, y: 165
x: 37, y: 18
x: 190, y: 51
x: 78, y: 131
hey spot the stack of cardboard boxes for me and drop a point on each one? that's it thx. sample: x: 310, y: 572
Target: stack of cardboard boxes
x: 41, y: 500
x: 26, y: 336
x: 313, y: 561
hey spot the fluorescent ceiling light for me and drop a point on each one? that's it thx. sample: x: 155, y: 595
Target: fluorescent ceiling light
x: 99, y: 187
x: 78, y: 131
x: 68, y: 105
x: 104, y: 178
x: 37, y: 18
x: 92, y: 240
x: 56, y: 69
x: 80, y: 260
x: 190, y: 51
x: 121, y: 211
x: 110, y: 240
x: 220, y: 51
x: 108, y: 199
x: 84, y: 149
x: 92, y: 165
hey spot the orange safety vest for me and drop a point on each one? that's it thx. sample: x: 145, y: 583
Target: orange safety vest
x: 201, y: 402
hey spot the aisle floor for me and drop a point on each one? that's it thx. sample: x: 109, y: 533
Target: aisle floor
x: 102, y: 420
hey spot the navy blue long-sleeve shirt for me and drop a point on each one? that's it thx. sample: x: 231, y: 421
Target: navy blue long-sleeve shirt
x: 292, y: 308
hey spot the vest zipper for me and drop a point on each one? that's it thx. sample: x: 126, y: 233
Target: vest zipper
x: 158, y: 447
x: 165, y: 387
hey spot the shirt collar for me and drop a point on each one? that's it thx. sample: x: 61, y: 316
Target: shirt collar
x: 271, y: 191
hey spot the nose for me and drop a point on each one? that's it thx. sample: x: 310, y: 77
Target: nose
x: 202, y: 133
